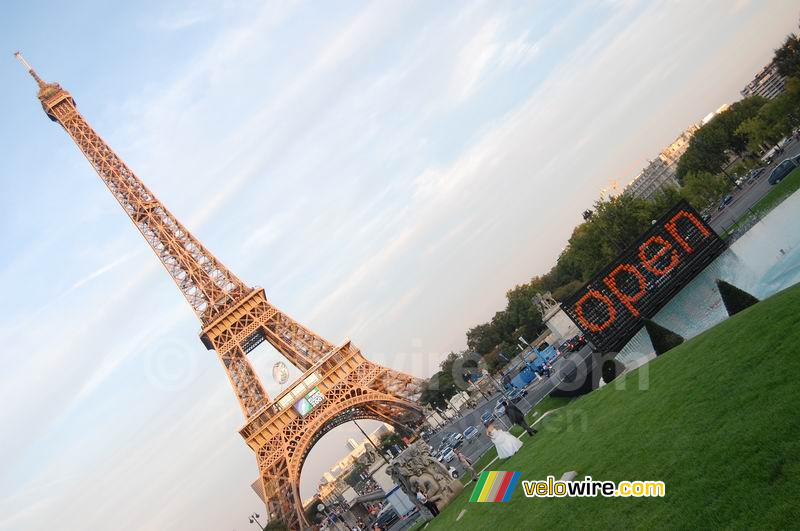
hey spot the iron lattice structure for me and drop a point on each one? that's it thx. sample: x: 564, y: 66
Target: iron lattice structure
x: 235, y: 319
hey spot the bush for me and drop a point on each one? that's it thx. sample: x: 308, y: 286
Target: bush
x: 662, y: 338
x: 735, y: 299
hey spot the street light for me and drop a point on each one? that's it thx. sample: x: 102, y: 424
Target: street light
x: 254, y: 520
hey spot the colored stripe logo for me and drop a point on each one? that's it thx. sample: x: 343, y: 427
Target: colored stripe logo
x: 495, y: 486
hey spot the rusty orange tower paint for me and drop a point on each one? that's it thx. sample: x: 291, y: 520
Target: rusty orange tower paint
x: 235, y: 319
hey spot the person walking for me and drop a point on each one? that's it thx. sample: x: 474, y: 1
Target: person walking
x: 467, y: 464
x: 516, y: 416
x: 426, y: 502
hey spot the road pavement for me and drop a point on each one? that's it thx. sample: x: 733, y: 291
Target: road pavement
x: 750, y: 194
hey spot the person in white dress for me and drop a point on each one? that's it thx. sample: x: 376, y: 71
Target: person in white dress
x: 506, y: 444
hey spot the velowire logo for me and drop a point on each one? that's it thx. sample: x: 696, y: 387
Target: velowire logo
x: 494, y: 486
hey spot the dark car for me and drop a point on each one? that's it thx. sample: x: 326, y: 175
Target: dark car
x: 727, y: 200
x: 756, y: 173
x: 573, y: 344
x: 578, y: 342
x: 781, y: 170
x: 487, y: 417
x: 387, y: 517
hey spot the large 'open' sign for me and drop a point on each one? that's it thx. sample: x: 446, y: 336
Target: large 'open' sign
x: 611, y: 307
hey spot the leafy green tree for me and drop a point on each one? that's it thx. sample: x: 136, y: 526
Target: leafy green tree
x: 702, y: 188
x: 567, y: 290
x: 710, y: 147
x: 775, y: 119
x: 438, y: 389
x: 483, y: 338
x: 388, y: 440
x: 787, y: 57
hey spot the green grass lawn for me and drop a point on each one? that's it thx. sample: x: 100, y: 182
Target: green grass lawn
x: 789, y: 185
x: 718, y: 422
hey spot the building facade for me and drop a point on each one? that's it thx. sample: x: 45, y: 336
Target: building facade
x: 661, y: 172
x: 657, y: 175
x: 767, y: 83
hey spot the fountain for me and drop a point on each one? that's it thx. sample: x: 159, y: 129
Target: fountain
x: 763, y: 261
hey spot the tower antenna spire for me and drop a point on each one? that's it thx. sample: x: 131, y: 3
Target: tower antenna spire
x: 29, y: 68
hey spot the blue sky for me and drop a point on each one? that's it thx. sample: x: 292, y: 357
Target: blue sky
x: 386, y: 170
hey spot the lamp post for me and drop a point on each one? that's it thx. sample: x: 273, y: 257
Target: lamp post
x: 377, y: 451
x: 254, y: 520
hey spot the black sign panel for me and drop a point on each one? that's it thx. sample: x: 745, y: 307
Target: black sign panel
x: 610, y: 308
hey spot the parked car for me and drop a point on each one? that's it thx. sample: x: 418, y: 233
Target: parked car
x: 447, y: 455
x: 499, y: 410
x: 758, y: 172
x: 516, y: 395
x: 470, y: 433
x: 454, y: 440
x: 387, y: 517
x: 573, y: 344
x: 487, y: 417
x: 781, y: 170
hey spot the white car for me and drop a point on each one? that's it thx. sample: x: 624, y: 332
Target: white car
x: 499, y: 410
x: 470, y: 433
x: 447, y: 455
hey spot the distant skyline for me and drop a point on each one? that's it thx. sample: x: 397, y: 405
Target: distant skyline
x: 385, y: 170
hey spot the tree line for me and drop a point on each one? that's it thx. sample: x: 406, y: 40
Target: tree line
x: 732, y: 142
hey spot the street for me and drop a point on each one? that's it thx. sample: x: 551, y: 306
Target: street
x: 750, y: 194
x: 537, y: 390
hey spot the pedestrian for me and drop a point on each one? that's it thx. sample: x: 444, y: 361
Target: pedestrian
x: 426, y: 502
x: 505, y: 443
x: 516, y: 416
x: 467, y: 464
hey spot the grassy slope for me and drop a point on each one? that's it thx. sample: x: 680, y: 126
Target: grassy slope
x: 782, y: 190
x: 719, y: 423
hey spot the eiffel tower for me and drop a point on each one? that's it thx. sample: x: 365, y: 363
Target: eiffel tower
x: 338, y: 383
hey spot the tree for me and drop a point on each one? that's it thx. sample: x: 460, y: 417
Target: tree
x: 774, y: 120
x: 354, y: 477
x: 567, y: 290
x: 735, y: 299
x: 702, y: 188
x: 787, y: 57
x: 388, y: 440
x: 438, y: 389
x: 709, y: 148
x: 483, y: 338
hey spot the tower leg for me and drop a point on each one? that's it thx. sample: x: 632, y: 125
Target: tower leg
x: 283, y: 498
